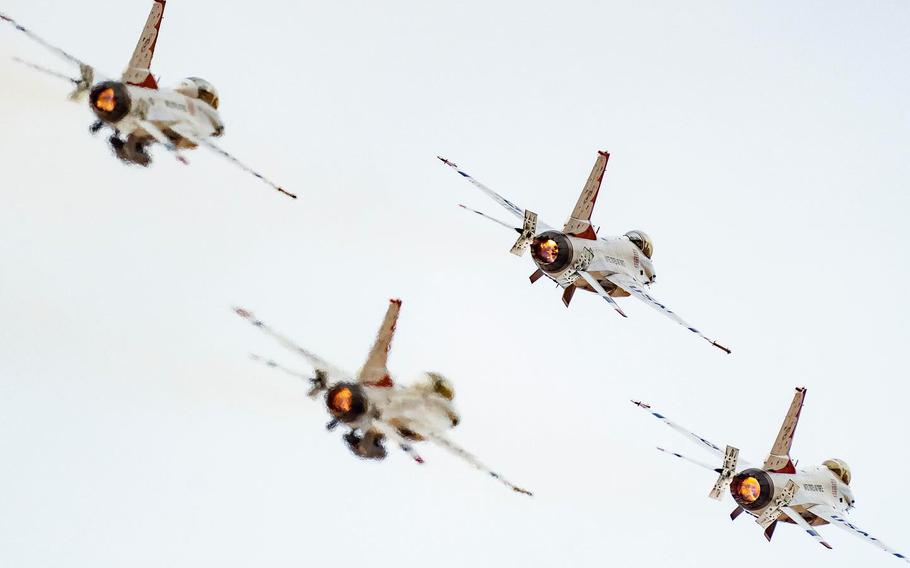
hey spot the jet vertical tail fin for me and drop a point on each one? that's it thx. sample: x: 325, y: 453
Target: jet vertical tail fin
x: 579, y: 222
x: 779, y: 459
x: 374, y: 371
x: 137, y: 71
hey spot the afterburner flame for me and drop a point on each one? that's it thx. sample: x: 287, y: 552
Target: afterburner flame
x: 342, y: 401
x: 106, y: 101
x: 749, y: 489
x: 548, y: 251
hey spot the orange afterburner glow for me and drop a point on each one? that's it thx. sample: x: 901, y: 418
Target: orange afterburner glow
x: 342, y: 401
x: 548, y: 251
x: 749, y: 490
x: 106, y: 101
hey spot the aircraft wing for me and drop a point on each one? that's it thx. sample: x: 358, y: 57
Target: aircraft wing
x: 456, y: 450
x: 275, y: 365
x: 699, y: 463
x: 801, y: 522
x: 332, y: 372
x: 187, y: 132
x: 601, y: 292
x: 375, y: 372
x: 506, y: 204
x: 38, y: 39
x: 628, y: 284
x: 162, y: 139
x: 87, y: 71
x: 837, y: 520
x: 710, y: 446
x: 392, y: 434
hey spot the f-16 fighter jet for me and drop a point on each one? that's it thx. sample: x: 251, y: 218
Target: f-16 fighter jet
x: 777, y: 491
x: 138, y: 112
x: 576, y: 258
x: 374, y: 408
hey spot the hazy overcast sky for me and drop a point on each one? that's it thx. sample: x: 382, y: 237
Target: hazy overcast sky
x: 763, y: 146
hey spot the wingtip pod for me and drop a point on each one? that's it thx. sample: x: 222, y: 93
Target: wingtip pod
x: 446, y: 162
x: 721, y: 347
x: 260, y: 359
x: 248, y: 316
x: 286, y: 192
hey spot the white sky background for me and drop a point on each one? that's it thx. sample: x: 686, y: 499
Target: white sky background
x: 764, y: 149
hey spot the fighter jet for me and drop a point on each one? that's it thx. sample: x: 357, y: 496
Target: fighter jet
x: 373, y: 407
x: 777, y: 491
x: 137, y: 111
x: 576, y: 258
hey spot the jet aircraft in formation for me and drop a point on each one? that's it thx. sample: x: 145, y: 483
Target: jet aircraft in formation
x: 374, y: 408
x: 141, y: 114
x: 576, y: 258
x: 777, y: 491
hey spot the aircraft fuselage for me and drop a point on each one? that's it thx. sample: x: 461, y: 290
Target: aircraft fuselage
x: 125, y: 107
x: 816, y: 486
x: 601, y: 257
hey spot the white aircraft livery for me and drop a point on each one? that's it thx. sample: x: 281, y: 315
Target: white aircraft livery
x: 374, y: 407
x: 576, y: 258
x: 138, y: 112
x: 777, y: 491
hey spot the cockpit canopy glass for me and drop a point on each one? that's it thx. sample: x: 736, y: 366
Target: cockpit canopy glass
x: 642, y: 241
x: 199, y: 89
x: 839, y: 468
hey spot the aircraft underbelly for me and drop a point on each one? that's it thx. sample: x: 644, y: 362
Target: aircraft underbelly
x: 419, y: 411
x: 813, y: 520
x: 613, y: 290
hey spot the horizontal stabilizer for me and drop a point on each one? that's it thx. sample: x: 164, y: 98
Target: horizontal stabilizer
x: 774, y: 511
x: 528, y: 230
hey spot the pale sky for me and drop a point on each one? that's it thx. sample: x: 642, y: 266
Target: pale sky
x: 763, y: 146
